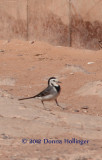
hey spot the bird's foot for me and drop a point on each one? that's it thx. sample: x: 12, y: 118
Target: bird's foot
x: 61, y: 107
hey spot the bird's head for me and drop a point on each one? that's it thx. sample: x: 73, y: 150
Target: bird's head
x: 53, y: 81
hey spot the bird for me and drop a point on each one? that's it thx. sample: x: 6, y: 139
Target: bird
x: 50, y: 93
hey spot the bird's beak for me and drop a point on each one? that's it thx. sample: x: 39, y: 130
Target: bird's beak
x: 59, y: 82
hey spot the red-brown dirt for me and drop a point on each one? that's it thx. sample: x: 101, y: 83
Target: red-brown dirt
x: 24, y: 70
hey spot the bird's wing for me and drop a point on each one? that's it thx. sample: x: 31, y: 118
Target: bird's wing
x: 45, y: 92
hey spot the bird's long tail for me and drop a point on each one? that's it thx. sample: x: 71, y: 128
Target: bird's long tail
x: 26, y: 98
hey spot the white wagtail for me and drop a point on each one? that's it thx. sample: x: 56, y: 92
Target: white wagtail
x: 50, y: 93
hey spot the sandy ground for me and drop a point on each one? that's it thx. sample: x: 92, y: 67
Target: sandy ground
x: 24, y: 70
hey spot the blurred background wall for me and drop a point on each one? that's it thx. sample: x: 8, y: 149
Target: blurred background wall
x: 75, y: 23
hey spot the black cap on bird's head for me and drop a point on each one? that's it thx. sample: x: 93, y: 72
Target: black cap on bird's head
x: 53, y: 79
x: 50, y: 79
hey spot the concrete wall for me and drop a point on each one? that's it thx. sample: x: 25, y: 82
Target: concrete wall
x: 69, y: 22
x: 86, y: 23
x: 48, y: 20
x: 13, y: 19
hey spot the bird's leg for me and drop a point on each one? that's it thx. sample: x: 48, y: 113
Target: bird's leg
x: 43, y: 105
x: 57, y: 103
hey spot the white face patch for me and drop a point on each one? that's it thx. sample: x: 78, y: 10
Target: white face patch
x: 53, y: 82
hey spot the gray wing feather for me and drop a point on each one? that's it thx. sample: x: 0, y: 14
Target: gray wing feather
x: 45, y: 92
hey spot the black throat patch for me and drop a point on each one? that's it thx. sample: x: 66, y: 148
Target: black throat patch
x: 58, y: 88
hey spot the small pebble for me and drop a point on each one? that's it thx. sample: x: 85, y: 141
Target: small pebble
x: 90, y: 62
x: 2, y: 50
x: 72, y: 73
x: 38, y: 54
x: 84, y: 107
x: 31, y: 42
x: 20, y: 55
x: 4, y: 136
x: 76, y: 110
x: 85, y: 111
